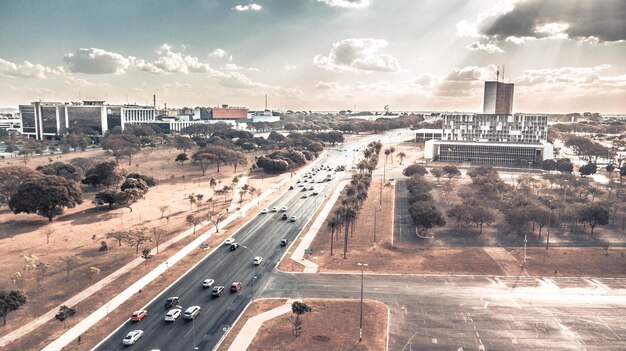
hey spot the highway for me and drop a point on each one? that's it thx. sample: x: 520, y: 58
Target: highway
x: 259, y: 237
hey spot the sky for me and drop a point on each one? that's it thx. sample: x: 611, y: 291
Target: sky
x: 412, y: 55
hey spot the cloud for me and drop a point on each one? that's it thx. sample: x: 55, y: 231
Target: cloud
x: 174, y: 62
x: 357, y: 54
x: 425, y: 81
x: 564, y: 75
x: 28, y: 70
x: 347, y: 3
x: 289, y: 68
x: 326, y: 85
x: 249, y: 7
x: 218, y: 53
x: 97, y: 61
x: 489, y: 47
x: 465, y: 81
x: 601, y: 20
x: 237, y: 80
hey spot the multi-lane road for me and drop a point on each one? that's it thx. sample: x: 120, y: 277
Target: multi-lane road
x: 259, y: 237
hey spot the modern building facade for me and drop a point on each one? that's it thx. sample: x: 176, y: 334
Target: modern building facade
x: 498, y: 98
x: 494, y: 137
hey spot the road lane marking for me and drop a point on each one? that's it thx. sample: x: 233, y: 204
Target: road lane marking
x: 434, y: 340
x: 486, y: 304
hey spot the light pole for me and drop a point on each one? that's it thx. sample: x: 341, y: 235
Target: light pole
x: 525, y: 241
x: 375, y: 212
x: 361, y: 309
x: 253, y: 279
x: 549, y: 220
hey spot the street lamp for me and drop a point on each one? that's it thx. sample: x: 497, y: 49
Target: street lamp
x: 549, y: 220
x: 375, y: 212
x: 361, y: 309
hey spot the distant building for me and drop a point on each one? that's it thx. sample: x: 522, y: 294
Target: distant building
x: 494, y: 137
x: 428, y: 134
x: 498, y: 99
x: 227, y: 112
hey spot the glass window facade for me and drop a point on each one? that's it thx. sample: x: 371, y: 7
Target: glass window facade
x: 49, y: 119
x: 489, y: 154
x: 85, y: 119
x: 29, y: 125
x: 114, y: 117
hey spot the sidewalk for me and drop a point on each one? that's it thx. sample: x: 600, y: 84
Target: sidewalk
x: 253, y: 324
x: 507, y: 262
x: 89, y: 321
x: 307, y: 239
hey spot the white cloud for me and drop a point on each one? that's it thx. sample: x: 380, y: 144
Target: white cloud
x: 218, y: 53
x: 249, y: 7
x: 237, y: 80
x: 289, y: 68
x: 357, y: 54
x: 347, y: 3
x: 565, y: 75
x: 174, y: 62
x: 28, y: 70
x: 489, y: 47
x: 326, y: 85
x: 425, y: 81
x: 97, y: 61
x: 465, y: 81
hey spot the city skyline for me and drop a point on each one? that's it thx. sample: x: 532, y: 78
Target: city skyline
x: 563, y: 56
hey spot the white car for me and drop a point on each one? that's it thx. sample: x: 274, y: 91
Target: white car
x: 292, y: 219
x: 257, y: 260
x: 274, y: 209
x: 229, y: 241
x: 172, y: 315
x: 283, y: 209
x: 191, y: 312
x: 132, y: 337
x: 207, y: 283
x: 264, y: 211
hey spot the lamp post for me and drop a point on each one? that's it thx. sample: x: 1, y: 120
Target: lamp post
x: 525, y: 241
x: 361, y: 309
x: 375, y: 213
x: 549, y: 220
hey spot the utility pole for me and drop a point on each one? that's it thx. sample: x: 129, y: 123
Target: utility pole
x: 375, y: 212
x: 361, y: 309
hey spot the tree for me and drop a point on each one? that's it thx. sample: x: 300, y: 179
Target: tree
x: 193, y: 220
x: 414, y: 169
x: 46, y: 196
x: 11, y: 301
x: 594, y: 214
x: 588, y: 169
x: 237, y: 159
x: 150, y: 181
x: 107, y: 173
x: 10, y: 180
x: 119, y: 236
x: 387, y: 153
x: 122, y: 146
x: 564, y: 165
x: 203, y: 159
x: 108, y: 197
x: 213, y: 183
x: 298, y: 308
x: 128, y: 197
x: 134, y: 183
x: 163, y: 209
x: 61, y: 169
x: 437, y: 172
x: 183, y: 143
x: 65, y: 313
x: 401, y: 156
x: 47, y: 231
x: 215, y: 218
x: 69, y: 263
x: 137, y: 237
x: 517, y: 218
x: 83, y: 163
x: 157, y: 234
x: 41, y: 268
x: 145, y: 253
x: 426, y: 216
x: 181, y: 158
x: 461, y: 213
x: 480, y: 216
x: 451, y: 172
x: 540, y: 216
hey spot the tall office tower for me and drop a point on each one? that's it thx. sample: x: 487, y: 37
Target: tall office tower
x: 498, y: 98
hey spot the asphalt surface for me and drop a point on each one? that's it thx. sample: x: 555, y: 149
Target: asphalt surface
x: 478, y: 312
x: 259, y: 237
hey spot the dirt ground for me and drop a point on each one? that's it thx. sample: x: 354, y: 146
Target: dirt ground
x: 573, y: 261
x: 75, y: 232
x: 332, y: 325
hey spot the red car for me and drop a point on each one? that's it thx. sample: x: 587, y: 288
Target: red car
x: 138, y: 315
x: 235, y: 287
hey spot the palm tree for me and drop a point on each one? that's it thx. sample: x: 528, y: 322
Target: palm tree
x: 349, y: 214
x: 367, y: 153
x: 391, y: 151
x: 387, y: 153
x: 401, y: 155
x: 362, y: 166
x: 333, y: 224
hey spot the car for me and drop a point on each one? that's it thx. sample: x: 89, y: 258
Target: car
x: 291, y: 187
x: 298, y: 181
x: 138, y: 315
x: 217, y: 291
x: 191, y: 312
x: 234, y: 246
x: 274, y: 209
x: 300, y: 185
x: 264, y: 211
x: 236, y: 286
x: 306, y: 181
x: 315, y: 193
x: 311, y: 188
x: 132, y: 337
x: 292, y: 219
x: 283, y: 209
x: 305, y: 196
x: 172, y: 315
x: 171, y: 301
x: 285, y: 216
x: 207, y: 283
x: 229, y: 241
x: 304, y: 189
x: 257, y: 260
x: 283, y: 242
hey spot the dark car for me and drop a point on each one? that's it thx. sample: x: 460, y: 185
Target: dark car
x: 291, y: 187
x: 283, y: 242
x: 171, y: 301
x: 285, y: 216
x: 234, y: 246
x: 236, y: 286
x: 217, y: 291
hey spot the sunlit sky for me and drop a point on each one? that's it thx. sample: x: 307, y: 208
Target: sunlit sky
x: 563, y: 55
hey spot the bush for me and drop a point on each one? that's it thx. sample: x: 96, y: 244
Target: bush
x: 414, y: 169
